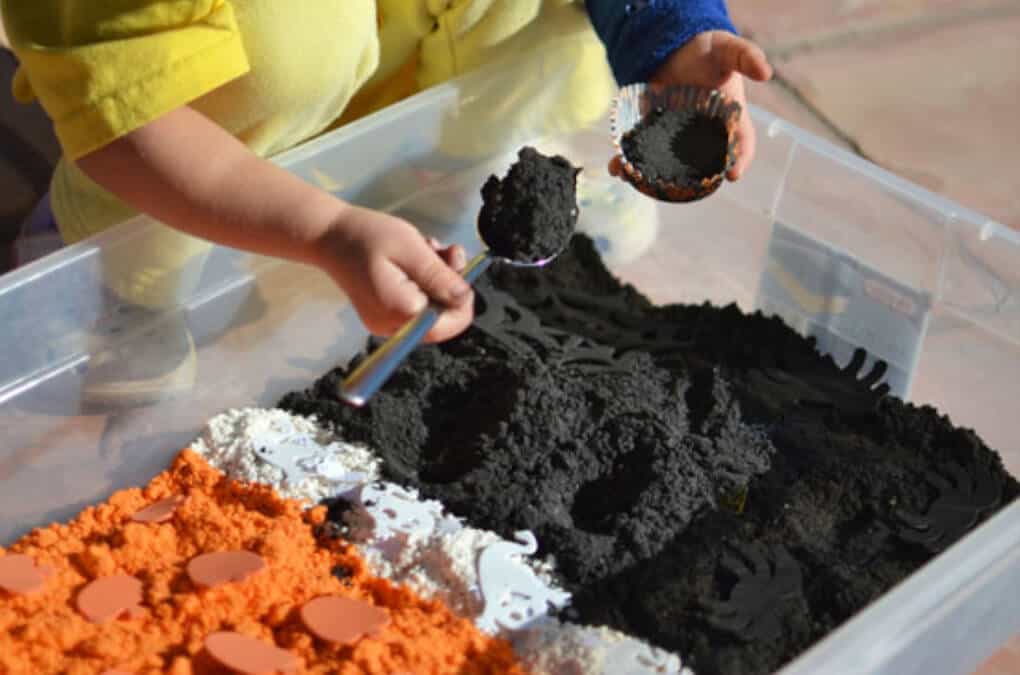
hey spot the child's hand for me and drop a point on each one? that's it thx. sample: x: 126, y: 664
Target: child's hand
x: 237, y: 199
x: 389, y: 270
x: 721, y: 60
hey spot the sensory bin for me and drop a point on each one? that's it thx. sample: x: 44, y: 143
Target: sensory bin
x: 582, y: 483
x: 682, y: 487
x: 704, y: 480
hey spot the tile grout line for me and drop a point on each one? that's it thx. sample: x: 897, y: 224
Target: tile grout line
x: 878, y: 29
x: 819, y: 115
x: 843, y: 38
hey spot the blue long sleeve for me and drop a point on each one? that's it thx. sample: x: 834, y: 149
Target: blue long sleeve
x: 640, y: 36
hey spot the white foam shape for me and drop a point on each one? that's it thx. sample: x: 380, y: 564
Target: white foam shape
x: 632, y: 657
x: 395, y: 511
x: 449, y: 525
x: 330, y: 468
x: 513, y: 594
x: 299, y: 455
x: 289, y: 454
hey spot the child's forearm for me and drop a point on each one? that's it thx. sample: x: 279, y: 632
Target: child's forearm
x: 189, y: 173
x: 640, y: 36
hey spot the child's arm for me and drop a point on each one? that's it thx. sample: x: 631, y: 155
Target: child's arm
x: 682, y: 42
x: 189, y: 173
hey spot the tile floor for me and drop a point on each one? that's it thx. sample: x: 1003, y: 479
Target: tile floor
x: 925, y: 88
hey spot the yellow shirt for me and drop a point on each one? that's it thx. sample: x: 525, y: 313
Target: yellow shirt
x: 271, y: 72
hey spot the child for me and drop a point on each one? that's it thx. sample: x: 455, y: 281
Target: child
x: 169, y: 108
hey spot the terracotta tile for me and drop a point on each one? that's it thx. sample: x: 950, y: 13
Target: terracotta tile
x: 957, y: 360
x: 1006, y: 661
x: 778, y: 100
x: 937, y: 106
x: 779, y: 24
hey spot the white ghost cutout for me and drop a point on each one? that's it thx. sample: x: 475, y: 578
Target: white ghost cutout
x: 514, y: 595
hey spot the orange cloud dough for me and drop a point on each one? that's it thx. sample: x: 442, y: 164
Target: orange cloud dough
x: 45, y: 632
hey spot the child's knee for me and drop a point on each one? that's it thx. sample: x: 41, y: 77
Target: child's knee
x: 562, y: 84
x: 157, y: 268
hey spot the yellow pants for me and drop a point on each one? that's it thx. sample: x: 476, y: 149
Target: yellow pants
x: 162, y: 268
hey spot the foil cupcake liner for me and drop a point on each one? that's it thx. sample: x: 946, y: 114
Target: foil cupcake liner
x: 635, y: 101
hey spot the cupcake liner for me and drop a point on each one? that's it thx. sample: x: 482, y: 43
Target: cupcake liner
x: 635, y: 101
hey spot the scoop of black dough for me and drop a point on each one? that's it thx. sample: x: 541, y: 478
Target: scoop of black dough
x: 530, y: 215
x: 677, y: 146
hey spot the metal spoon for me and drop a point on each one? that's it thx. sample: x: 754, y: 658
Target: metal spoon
x: 373, y: 372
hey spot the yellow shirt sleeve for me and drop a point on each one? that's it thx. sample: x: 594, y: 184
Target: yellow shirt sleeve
x: 104, y: 69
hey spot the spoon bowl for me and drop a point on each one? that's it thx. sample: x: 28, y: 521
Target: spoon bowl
x: 372, y: 373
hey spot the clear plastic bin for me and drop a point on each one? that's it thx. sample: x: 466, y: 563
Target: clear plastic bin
x: 841, y: 249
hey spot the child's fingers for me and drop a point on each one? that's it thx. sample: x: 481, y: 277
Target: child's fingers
x: 454, y: 256
x: 616, y: 166
x: 452, y: 322
x: 456, y: 319
x: 746, y: 138
x: 433, y: 275
x: 735, y: 54
x: 395, y: 298
x: 745, y: 150
x: 399, y: 298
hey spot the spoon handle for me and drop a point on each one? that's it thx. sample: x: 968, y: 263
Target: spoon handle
x: 373, y: 372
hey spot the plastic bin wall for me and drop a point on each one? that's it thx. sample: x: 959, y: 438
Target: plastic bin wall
x: 839, y: 248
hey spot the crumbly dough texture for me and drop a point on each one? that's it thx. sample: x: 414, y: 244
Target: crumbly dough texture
x: 44, y: 633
